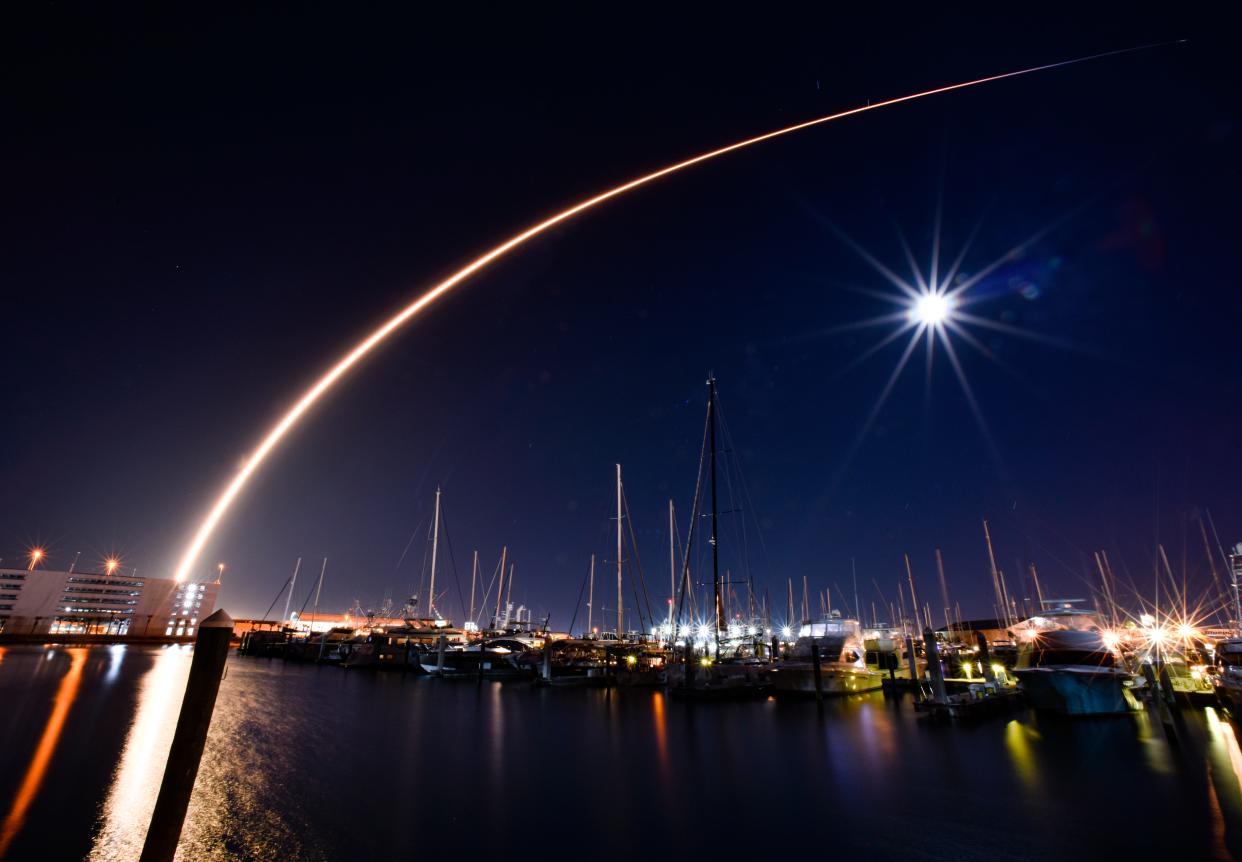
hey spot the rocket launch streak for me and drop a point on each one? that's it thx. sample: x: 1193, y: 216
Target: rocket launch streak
x: 324, y: 383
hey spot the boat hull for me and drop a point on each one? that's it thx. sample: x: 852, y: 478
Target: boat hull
x: 1077, y: 690
x: 836, y: 680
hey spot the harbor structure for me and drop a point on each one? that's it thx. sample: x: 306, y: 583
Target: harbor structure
x: 42, y: 602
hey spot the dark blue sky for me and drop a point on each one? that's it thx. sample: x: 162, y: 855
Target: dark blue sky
x: 201, y: 214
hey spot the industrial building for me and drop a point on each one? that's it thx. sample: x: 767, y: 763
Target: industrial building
x: 37, y: 601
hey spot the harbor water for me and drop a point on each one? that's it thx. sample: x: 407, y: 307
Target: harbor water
x: 315, y: 762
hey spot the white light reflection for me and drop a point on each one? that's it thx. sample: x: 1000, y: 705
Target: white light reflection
x: 136, y: 781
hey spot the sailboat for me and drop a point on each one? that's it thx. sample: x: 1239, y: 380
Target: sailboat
x: 705, y: 677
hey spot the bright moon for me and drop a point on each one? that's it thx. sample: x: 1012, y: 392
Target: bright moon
x: 931, y: 309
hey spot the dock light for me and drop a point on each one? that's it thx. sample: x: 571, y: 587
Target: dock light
x: 998, y: 671
x: 631, y: 660
x: 1111, y: 639
x: 705, y: 661
x: 1186, y: 631
x: 786, y: 632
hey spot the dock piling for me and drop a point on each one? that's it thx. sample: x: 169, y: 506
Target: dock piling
x: 441, y: 647
x: 211, y: 650
x: 985, y: 657
x: 913, y: 661
x: 819, y: 675
x: 933, y: 666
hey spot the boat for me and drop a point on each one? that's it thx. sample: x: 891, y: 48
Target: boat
x: 1229, y: 676
x: 507, y: 656
x: 843, y: 670
x: 1066, y: 667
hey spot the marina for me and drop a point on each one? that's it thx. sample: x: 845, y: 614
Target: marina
x: 524, y: 432
x: 310, y: 762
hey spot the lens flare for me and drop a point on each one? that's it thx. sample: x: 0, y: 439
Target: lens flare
x: 931, y: 309
x: 375, y: 338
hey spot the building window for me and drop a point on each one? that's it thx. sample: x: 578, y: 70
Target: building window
x: 89, y: 626
x: 168, y: 631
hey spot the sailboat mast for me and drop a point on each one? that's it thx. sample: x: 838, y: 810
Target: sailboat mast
x: 591, y: 596
x: 500, y: 588
x: 944, y: 591
x: 435, y: 547
x: 854, y: 572
x: 620, y: 611
x: 996, y: 582
x: 292, y: 583
x: 509, y: 595
x: 711, y: 425
x: 474, y: 576
x: 318, y: 589
x: 672, y: 569
x: 914, y: 601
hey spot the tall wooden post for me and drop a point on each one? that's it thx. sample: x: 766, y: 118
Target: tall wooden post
x: 211, y: 649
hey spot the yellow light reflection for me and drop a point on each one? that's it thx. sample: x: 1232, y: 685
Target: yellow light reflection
x: 136, y: 781
x: 1018, y: 738
x: 66, y: 693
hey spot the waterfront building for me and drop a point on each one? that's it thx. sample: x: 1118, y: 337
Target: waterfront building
x: 98, y: 603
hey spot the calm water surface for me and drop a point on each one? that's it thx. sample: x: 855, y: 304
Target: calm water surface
x: 309, y: 762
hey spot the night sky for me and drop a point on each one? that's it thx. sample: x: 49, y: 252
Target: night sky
x: 201, y: 214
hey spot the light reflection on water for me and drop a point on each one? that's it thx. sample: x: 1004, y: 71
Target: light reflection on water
x: 131, y: 797
x: 32, y: 781
x: 307, y: 762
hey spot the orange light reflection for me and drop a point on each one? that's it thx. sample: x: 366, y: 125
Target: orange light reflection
x: 66, y: 693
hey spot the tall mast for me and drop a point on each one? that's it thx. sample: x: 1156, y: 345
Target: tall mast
x: 672, y: 570
x: 620, y: 628
x: 711, y: 425
x: 435, y: 547
x: 996, y: 581
x: 791, y: 609
x: 914, y: 600
x: 508, y: 595
x: 944, y: 591
x: 854, y: 572
x: 474, y: 576
x: 292, y: 581
x: 591, y: 596
x: 322, y: 570
x: 500, y: 588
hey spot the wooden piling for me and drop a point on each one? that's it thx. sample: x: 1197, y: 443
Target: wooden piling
x: 211, y: 650
x: 933, y: 666
x: 819, y: 676
x: 985, y: 657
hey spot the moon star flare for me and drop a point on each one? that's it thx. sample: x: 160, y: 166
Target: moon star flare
x: 272, y: 438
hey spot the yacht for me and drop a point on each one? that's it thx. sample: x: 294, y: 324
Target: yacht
x: 1065, y: 665
x: 842, y: 667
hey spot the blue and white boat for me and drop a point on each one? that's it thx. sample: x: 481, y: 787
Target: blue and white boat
x: 1066, y: 666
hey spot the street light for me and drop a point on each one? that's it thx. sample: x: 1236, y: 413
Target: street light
x: 36, y: 556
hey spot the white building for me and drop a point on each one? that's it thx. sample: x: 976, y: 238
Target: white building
x: 44, y: 602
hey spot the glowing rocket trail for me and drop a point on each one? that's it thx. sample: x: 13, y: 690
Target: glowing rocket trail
x: 312, y: 395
